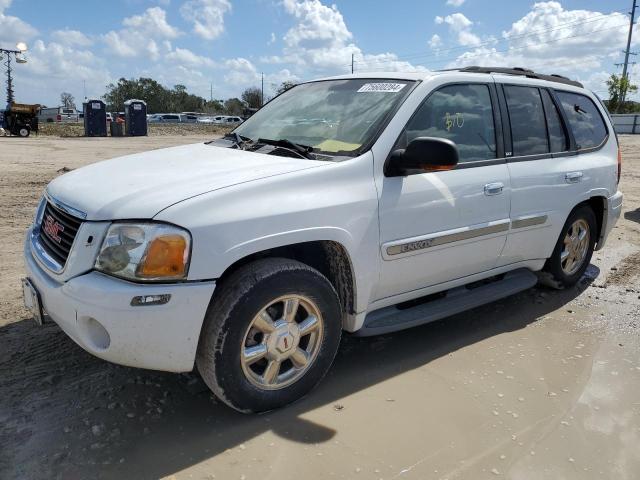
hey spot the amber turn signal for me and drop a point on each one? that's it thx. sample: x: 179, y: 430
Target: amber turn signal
x: 166, y: 257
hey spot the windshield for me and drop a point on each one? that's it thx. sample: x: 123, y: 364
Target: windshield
x: 334, y: 117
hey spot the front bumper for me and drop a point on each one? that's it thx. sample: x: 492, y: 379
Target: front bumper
x: 95, y: 311
x: 613, y: 209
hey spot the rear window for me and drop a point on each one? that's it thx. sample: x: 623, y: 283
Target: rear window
x: 67, y: 110
x: 587, y: 124
x: 528, y: 125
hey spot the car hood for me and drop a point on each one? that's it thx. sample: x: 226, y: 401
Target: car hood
x: 141, y: 185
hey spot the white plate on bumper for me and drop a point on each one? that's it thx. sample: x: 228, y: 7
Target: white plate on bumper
x: 32, y: 302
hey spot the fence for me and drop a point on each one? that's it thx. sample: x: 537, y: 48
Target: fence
x: 626, y: 123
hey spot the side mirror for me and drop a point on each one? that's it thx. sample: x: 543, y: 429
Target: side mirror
x: 423, y: 154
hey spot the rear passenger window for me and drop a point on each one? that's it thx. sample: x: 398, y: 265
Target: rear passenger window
x: 557, y: 136
x: 528, y: 126
x: 585, y: 120
x: 460, y: 113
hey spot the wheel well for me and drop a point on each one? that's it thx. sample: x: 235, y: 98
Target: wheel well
x: 328, y: 257
x: 597, y: 205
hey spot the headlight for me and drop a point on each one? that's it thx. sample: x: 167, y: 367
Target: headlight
x: 145, y: 251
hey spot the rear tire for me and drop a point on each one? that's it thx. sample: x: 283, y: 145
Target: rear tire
x: 270, y: 334
x: 573, y: 251
x: 24, y: 131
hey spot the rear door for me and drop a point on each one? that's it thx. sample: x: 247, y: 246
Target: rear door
x: 440, y: 226
x: 548, y: 164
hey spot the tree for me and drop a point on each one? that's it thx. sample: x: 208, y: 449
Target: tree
x: 619, y: 88
x: 67, y: 100
x: 252, y: 96
x: 284, y: 86
x: 159, y: 98
x: 234, y: 106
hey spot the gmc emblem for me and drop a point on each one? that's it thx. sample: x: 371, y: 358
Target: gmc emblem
x: 53, y: 228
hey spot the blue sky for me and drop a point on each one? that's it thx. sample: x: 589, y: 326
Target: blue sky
x: 81, y: 46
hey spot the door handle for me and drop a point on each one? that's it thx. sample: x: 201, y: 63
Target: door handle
x: 573, y: 177
x: 493, y: 188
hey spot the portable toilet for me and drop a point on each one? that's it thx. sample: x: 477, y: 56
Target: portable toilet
x: 95, y: 118
x: 135, y: 118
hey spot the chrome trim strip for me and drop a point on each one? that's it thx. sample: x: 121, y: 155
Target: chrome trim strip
x: 528, y: 221
x: 41, y: 255
x: 65, y: 208
x: 424, y: 243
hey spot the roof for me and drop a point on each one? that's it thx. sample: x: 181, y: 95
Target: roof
x: 515, y: 71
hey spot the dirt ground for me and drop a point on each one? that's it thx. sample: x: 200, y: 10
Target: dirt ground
x: 542, y: 385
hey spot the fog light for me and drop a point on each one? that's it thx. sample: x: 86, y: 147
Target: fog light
x: 145, y: 300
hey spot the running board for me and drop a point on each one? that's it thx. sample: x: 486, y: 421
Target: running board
x: 456, y: 300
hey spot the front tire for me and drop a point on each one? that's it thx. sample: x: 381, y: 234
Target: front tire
x: 24, y: 131
x: 270, y: 334
x: 573, y: 251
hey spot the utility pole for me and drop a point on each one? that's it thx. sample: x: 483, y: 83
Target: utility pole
x: 262, y: 92
x: 627, y: 52
x: 211, y: 92
x: 352, y: 57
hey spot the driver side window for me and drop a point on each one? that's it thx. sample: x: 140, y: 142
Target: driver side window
x: 460, y: 113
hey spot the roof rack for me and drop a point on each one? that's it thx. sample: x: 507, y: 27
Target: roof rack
x: 523, y: 72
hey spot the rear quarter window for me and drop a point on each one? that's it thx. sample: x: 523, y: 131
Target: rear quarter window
x: 585, y: 120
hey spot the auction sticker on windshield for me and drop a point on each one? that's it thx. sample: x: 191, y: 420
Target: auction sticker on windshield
x: 382, y: 87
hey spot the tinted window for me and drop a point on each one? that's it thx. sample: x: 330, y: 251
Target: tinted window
x: 461, y: 113
x: 528, y: 127
x: 584, y: 119
x: 557, y: 136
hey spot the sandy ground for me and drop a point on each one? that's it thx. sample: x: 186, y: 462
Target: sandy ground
x: 542, y: 385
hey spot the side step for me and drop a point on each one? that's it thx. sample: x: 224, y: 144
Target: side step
x: 456, y: 300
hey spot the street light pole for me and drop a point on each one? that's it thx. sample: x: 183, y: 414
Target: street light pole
x: 19, y: 59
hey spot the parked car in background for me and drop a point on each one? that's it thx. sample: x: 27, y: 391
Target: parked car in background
x: 233, y: 121
x: 205, y: 119
x: 189, y: 117
x: 165, y: 118
x: 251, y: 254
x: 227, y: 120
x: 58, y: 114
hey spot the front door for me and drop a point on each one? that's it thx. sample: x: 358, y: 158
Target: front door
x: 440, y: 226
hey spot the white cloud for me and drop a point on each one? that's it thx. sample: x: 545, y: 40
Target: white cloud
x: 321, y: 42
x: 152, y: 22
x: 141, y: 35
x: 455, y: 3
x: 460, y: 26
x: 435, y: 42
x: 12, y: 29
x: 71, y: 37
x: 207, y: 16
x: 552, y: 39
x: 241, y: 73
x: 186, y: 57
x: 54, y: 62
x: 272, y: 39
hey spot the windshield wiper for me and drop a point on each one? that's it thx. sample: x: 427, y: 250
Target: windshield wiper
x: 238, y: 141
x: 301, y: 149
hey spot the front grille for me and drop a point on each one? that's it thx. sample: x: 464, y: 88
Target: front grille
x: 58, y: 229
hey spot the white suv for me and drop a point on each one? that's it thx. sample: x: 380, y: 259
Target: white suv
x: 344, y: 204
